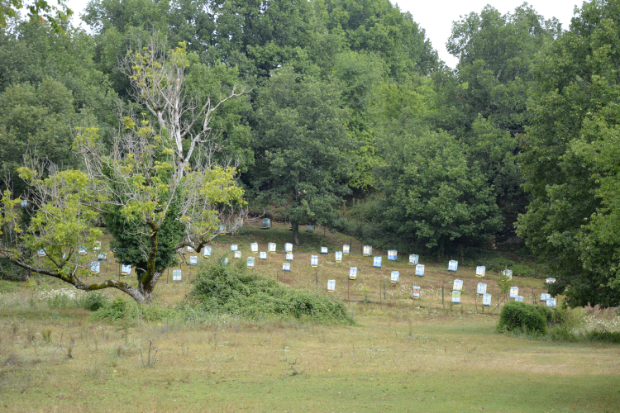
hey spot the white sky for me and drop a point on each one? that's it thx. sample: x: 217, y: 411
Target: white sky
x: 436, y: 16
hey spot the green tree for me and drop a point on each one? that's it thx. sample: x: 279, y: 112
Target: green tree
x: 570, y: 159
x: 301, y: 148
x: 38, y: 10
x: 433, y: 196
x: 158, y: 179
x: 483, y: 102
x: 377, y: 26
x: 37, y: 119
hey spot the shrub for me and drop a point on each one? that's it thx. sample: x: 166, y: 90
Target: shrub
x: 124, y: 309
x: 231, y: 290
x: 604, y: 336
x: 94, y: 301
x: 522, y: 316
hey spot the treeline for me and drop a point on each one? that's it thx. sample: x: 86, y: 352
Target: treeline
x: 347, y: 100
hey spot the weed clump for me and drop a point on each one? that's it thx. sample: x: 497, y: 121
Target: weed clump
x: 524, y: 317
x: 231, y: 290
x: 120, y: 309
x: 94, y: 301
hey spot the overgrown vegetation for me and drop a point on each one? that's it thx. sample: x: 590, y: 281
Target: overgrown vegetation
x: 231, y: 289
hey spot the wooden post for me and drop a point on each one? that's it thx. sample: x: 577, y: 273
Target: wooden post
x: 349, y: 290
x: 316, y: 276
x: 442, y: 302
x: 168, y: 275
x: 476, y: 301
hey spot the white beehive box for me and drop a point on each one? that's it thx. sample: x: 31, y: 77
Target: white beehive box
x: 394, y: 276
x: 550, y: 280
x: 551, y: 302
x: 125, y: 269
x: 250, y: 263
x: 413, y: 259
x: 176, y: 275
x: 486, y: 300
x: 482, y: 289
x: 41, y: 253
x: 415, y: 292
x: 481, y: 271
x: 376, y: 262
x: 289, y: 256
x: 338, y: 256
x: 102, y: 256
x: 392, y: 255
x: 222, y: 230
x: 254, y: 247
x: 82, y: 251
x: 286, y: 266
x: 544, y: 297
x: 367, y: 251
x: 239, y: 222
x: 262, y: 255
x: 453, y: 265
x: 514, y: 292
x: 314, y: 261
x: 206, y: 252
x: 324, y: 250
x: 224, y: 261
x: 271, y: 247
x: 519, y: 298
x: 193, y: 260
x: 309, y: 228
x: 288, y: 247
x: 507, y: 274
x: 97, y: 246
x: 94, y: 267
x: 457, y: 285
x: 456, y: 296
x: 346, y: 249
x: 190, y: 249
x: 237, y: 254
x: 234, y: 247
x: 419, y: 270
x: 353, y: 273
x: 266, y: 223
x: 331, y: 286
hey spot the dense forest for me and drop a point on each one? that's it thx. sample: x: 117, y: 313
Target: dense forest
x: 345, y: 117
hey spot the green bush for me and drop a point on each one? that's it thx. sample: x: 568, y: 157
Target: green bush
x: 232, y: 290
x: 603, y: 336
x: 124, y: 309
x: 94, y: 301
x: 521, y: 316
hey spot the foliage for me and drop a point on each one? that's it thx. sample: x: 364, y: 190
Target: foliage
x: 432, y: 193
x: 121, y: 309
x: 521, y: 316
x: 154, y: 178
x: 231, y: 290
x: 94, y: 301
x: 38, y: 11
x: 570, y: 158
x: 300, y: 149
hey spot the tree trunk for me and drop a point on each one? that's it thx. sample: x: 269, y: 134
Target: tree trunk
x: 295, y: 233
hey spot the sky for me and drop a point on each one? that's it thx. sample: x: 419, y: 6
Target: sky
x: 436, y: 16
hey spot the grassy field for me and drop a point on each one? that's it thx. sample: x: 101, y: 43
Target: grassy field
x: 403, y: 355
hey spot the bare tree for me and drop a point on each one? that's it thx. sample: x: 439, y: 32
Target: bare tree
x: 151, y: 165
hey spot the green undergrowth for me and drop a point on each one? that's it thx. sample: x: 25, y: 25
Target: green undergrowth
x: 555, y: 324
x: 230, y: 289
x: 123, y: 309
